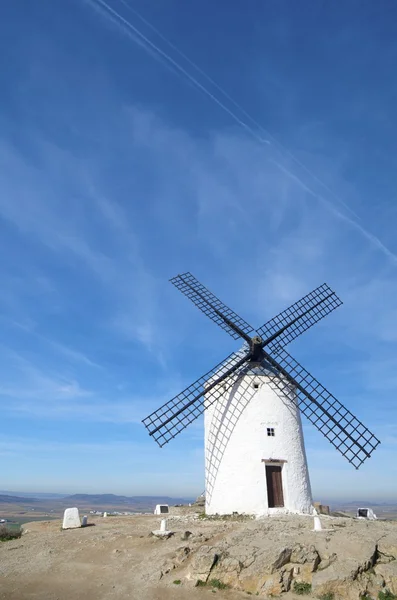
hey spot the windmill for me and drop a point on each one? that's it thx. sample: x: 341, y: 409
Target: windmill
x: 255, y: 458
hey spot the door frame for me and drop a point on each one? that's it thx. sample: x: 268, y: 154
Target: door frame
x: 274, y: 463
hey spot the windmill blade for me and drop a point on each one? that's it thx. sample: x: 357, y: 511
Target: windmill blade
x: 176, y: 414
x: 211, y: 306
x: 298, y: 318
x: 349, y: 436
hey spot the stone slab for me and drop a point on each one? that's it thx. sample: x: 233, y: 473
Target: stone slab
x: 71, y: 518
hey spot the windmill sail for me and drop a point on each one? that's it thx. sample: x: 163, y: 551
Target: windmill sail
x: 170, y: 419
x: 345, y: 432
x: 211, y: 306
x: 349, y: 436
x: 298, y: 318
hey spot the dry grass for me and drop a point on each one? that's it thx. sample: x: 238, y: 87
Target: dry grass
x: 7, y: 534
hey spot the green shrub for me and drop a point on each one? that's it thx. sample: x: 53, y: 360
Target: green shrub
x: 327, y: 596
x: 7, y: 534
x: 177, y: 581
x: 301, y: 588
x: 216, y: 583
x: 386, y: 595
x: 200, y: 583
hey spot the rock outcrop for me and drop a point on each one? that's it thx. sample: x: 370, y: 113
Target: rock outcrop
x: 349, y: 560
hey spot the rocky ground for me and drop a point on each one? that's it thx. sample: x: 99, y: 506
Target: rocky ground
x: 117, y: 558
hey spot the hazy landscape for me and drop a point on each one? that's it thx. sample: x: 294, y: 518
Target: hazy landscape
x: 18, y: 508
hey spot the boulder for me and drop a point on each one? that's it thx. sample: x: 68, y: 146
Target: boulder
x: 261, y: 567
x: 387, y: 548
x: 327, y: 561
x: 388, y: 572
x: 199, y: 502
x: 282, y: 559
x: 228, y: 570
x: 181, y: 555
x: 302, y: 554
x: 345, y: 577
x: 278, y: 582
x: 203, y: 562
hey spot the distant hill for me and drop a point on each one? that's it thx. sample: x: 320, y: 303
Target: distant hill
x: 360, y: 503
x: 128, y: 500
x: 15, y: 500
x: 30, y: 495
x: 134, y: 503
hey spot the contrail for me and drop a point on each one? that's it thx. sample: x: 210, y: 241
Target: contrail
x: 154, y: 50
x: 371, y: 237
x: 177, y: 66
x: 261, y: 128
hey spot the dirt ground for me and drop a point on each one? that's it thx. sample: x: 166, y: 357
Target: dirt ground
x: 117, y: 558
x: 114, y: 559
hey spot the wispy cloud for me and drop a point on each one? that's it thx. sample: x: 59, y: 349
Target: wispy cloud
x: 33, y: 384
x: 28, y: 326
x: 303, y: 175
x: 29, y: 203
x: 116, y: 176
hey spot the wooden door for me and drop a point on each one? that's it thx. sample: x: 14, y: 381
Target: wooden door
x: 274, y: 483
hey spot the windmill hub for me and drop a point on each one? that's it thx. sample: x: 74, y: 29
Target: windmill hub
x: 255, y: 456
x: 256, y: 345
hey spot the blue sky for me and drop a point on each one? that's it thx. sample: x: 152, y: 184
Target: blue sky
x: 252, y: 144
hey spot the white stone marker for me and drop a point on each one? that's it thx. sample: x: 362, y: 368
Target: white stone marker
x: 162, y: 532
x: 317, y: 523
x: 71, y: 518
x: 85, y: 521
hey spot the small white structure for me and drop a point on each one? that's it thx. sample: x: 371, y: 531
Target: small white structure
x: 105, y: 514
x: 85, y: 521
x: 317, y: 523
x: 71, y: 518
x: 366, y: 513
x: 254, y: 449
x: 162, y: 532
x: 161, y: 509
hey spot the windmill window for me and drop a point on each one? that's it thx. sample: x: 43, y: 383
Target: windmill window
x: 270, y: 431
x: 255, y: 385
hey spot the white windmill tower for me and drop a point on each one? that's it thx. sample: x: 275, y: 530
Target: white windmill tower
x: 254, y: 450
x: 254, y: 447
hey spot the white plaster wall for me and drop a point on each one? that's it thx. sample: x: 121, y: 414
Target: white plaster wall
x: 236, y: 441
